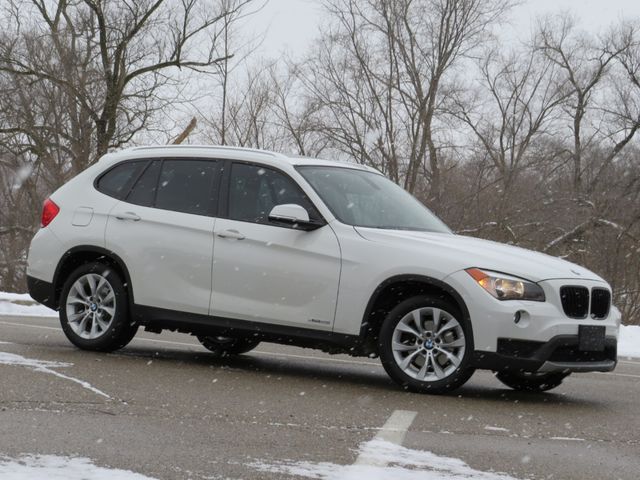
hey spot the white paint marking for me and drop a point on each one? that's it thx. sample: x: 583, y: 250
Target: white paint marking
x: 618, y: 374
x: 44, y: 366
x: 568, y: 439
x: 495, y: 429
x: 393, y: 431
x: 30, y: 326
x: 629, y: 362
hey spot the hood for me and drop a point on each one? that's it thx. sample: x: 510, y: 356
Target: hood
x: 465, y: 252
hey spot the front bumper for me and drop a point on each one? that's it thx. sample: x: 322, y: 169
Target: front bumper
x: 535, y: 336
x: 560, y: 354
x: 492, y: 319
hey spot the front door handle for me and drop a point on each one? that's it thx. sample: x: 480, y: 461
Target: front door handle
x: 128, y: 216
x: 232, y: 234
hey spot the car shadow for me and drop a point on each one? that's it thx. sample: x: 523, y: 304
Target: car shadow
x: 277, y: 365
x: 352, y: 374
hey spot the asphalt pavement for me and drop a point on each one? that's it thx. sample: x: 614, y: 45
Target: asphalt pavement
x: 165, y: 408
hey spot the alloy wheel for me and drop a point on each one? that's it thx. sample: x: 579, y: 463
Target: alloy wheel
x: 91, y: 306
x: 428, y: 344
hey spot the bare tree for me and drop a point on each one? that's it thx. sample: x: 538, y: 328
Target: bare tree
x: 518, y: 100
x: 81, y: 77
x: 112, y: 58
x: 586, y: 64
x: 381, y: 70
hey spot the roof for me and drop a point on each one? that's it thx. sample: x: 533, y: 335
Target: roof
x: 233, y: 153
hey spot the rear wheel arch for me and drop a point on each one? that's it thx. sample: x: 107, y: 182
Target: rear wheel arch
x: 396, y: 289
x: 83, y: 254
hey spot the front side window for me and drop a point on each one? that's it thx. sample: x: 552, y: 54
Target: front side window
x: 187, y: 186
x: 117, y: 181
x: 254, y: 191
x: 367, y: 199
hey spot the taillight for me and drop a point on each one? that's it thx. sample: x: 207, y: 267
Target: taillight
x: 49, y: 212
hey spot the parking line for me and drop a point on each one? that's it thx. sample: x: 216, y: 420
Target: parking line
x: 30, y: 326
x: 628, y: 362
x: 394, y: 431
x: 618, y: 374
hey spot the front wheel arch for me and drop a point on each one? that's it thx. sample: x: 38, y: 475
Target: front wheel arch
x: 392, y: 291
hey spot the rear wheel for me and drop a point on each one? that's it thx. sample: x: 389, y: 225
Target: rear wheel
x: 222, y: 346
x: 94, y: 310
x: 532, y: 382
x: 425, y: 345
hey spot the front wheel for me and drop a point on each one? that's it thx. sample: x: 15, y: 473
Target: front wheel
x: 532, y: 382
x: 425, y: 345
x: 222, y: 346
x: 94, y: 310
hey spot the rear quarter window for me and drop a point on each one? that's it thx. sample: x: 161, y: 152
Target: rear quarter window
x: 117, y: 181
x: 144, y: 191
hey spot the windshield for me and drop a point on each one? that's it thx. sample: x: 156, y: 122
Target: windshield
x: 366, y: 199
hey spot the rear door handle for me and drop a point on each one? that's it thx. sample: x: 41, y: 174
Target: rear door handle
x: 233, y: 234
x: 128, y: 216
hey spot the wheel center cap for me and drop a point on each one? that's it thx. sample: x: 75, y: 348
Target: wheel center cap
x: 428, y: 344
x: 93, y: 307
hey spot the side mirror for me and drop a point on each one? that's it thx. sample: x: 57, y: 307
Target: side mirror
x: 294, y: 216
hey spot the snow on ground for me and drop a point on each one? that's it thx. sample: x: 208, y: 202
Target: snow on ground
x: 402, y: 464
x: 21, y: 304
x: 629, y: 341
x: 44, y: 366
x: 52, y: 467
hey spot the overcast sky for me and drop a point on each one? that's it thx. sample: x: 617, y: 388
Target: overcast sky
x: 290, y: 25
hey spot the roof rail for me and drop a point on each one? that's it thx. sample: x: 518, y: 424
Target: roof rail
x: 206, y: 147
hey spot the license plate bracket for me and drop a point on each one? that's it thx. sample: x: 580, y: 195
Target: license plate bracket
x: 591, y: 338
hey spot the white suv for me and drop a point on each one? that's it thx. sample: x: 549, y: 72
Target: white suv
x: 240, y: 246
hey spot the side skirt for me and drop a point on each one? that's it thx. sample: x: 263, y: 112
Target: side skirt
x: 157, y: 319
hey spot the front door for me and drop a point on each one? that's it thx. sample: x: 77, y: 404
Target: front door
x: 263, y: 272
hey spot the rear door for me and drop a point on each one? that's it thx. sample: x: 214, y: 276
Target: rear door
x: 271, y: 273
x: 163, y: 230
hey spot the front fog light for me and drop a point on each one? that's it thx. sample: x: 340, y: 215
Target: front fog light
x: 506, y: 287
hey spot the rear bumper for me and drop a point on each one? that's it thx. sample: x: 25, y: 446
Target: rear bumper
x: 42, y: 292
x: 561, y: 353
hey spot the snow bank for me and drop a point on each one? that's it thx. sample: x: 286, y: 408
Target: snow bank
x: 53, y: 467
x: 402, y: 464
x: 629, y: 341
x: 21, y: 304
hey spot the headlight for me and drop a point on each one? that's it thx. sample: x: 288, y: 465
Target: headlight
x: 505, y: 287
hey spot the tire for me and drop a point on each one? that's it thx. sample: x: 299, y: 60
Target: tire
x: 223, y: 346
x: 532, y: 382
x: 411, y: 330
x: 94, y: 309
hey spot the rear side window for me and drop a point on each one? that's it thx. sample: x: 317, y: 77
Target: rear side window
x: 255, y: 190
x: 117, y: 181
x: 187, y: 186
x: 144, y: 191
